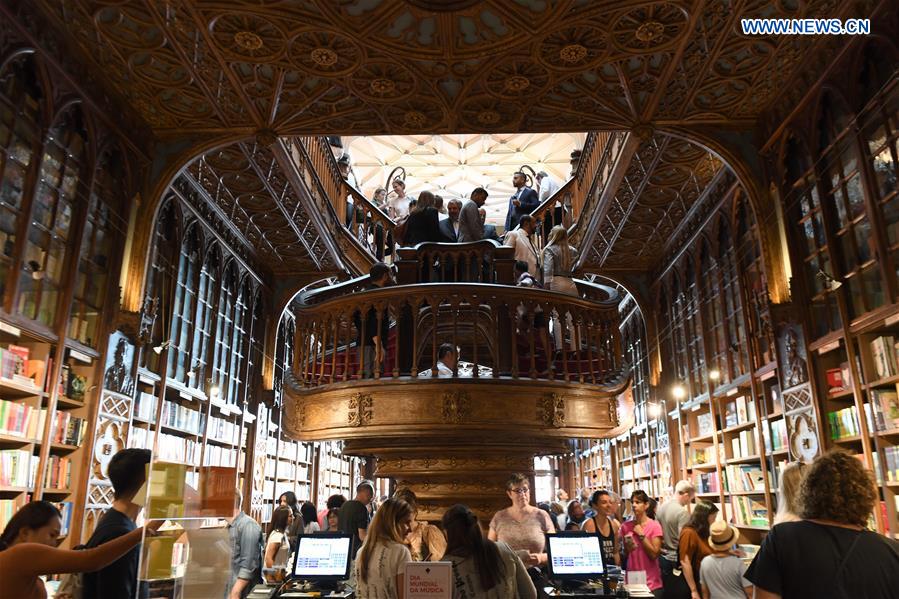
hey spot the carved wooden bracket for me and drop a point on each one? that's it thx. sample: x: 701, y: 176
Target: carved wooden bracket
x: 456, y: 407
x: 359, y: 411
x: 551, y: 410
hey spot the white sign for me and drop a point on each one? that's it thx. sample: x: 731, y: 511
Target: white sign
x: 428, y: 579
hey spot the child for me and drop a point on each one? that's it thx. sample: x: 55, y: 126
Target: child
x: 721, y: 573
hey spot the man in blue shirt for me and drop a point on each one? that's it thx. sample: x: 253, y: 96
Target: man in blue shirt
x: 246, y: 552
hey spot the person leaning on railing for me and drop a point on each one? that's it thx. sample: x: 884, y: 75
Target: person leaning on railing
x: 559, y: 259
x: 375, y: 342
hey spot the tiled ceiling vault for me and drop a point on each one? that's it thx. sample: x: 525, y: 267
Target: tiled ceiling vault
x: 453, y: 165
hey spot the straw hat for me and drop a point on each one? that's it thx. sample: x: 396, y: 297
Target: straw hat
x: 722, y: 536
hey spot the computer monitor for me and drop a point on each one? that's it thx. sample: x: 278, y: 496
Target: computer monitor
x: 323, y: 557
x: 574, y: 556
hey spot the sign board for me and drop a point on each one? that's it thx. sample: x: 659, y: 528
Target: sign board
x: 428, y: 579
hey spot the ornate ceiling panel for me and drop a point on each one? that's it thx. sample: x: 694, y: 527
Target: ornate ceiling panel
x: 665, y: 179
x: 415, y: 66
x: 249, y: 192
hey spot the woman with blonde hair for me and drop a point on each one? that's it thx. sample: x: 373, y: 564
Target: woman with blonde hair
x: 426, y: 542
x: 559, y: 259
x: 383, y: 557
x: 788, y: 493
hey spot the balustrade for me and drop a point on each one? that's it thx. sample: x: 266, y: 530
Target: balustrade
x: 496, y: 328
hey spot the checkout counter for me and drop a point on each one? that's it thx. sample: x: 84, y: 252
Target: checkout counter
x: 320, y: 569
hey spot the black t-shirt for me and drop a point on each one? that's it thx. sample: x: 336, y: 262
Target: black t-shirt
x: 352, y: 516
x: 371, y: 324
x: 800, y: 560
x: 118, y: 580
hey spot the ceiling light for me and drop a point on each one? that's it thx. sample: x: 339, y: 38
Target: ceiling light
x: 714, y: 374
x: 655, y: 410
x: 678, y: 391
x: 158, y: 349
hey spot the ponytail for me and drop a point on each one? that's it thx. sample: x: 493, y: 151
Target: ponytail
x: 32, y: 516
x: 465, y: 539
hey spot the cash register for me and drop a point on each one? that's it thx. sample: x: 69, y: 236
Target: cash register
x: 321, y: 567
x: 575, y: 567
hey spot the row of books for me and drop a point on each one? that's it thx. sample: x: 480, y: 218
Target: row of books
x: 220, y: 456
x: 181, y: 417
x: 21, y: 420
x: 844, y: 423
x: 65, y: 508
x: 885, y: 407
x: 16, y: 366
x: 296, y: 450
x: 891, y: 463
x: 740, y: 410
x: 744, y: 477
x: 699, y: 455
x: 224, y: 430
x: 8, y: 508
x: 706, y: 482
x: 173, y: 448
x: 742, y: 445
x: 883, y: 354
x: 778, y: 439
x: 15, y: 468
x: 145, y: 407
x: 747, y: 511
x: 59, y: 472
x: 68, y: 429
x: 286, y: 470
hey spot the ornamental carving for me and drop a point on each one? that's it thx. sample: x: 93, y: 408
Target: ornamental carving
x: 456, y: 407
x: 359, y: 410
x: 551, y: 410
x: 188, y: 67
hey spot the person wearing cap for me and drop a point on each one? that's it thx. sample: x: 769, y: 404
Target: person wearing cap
x: 721, y: 573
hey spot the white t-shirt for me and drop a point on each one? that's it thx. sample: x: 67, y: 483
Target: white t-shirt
x: 400, y: 207
x: 547, y: 188
x: 385, y: 562
x: 311, y: 528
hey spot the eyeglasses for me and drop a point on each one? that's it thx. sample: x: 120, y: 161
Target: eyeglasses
x: 521, y: 490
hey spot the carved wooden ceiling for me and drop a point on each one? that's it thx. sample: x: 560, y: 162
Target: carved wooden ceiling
x: 661, y: 188
x: 413, y: 66
x: 196, y: 70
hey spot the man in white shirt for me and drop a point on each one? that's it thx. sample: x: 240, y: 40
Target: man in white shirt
x: 446, y: 360
x: 520, y: 239
x: 547, y: 185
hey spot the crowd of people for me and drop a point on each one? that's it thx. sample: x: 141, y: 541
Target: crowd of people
x: 818, y: 547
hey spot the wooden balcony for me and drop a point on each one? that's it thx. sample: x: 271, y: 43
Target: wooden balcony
x: 513, y: 398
